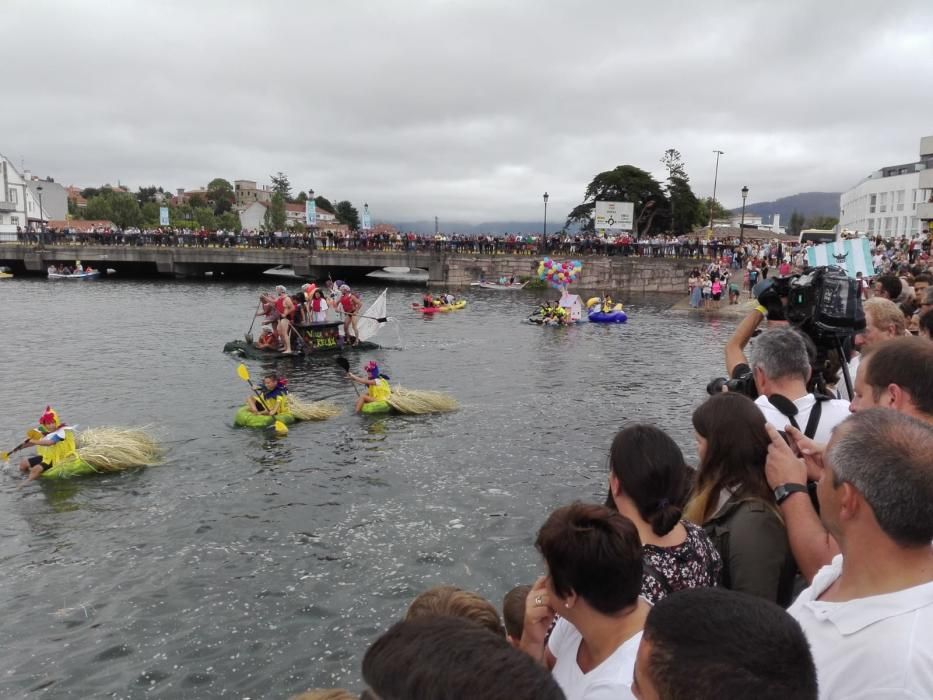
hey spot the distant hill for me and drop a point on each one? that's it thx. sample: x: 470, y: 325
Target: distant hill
x: 809, y: 204
x: 497, y: 227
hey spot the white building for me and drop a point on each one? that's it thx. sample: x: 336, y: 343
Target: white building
x: 893, y: 201
x: 19, y: 206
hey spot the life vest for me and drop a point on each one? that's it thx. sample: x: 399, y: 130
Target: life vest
x: 380, y: 391
x: 63, y: 448
x: 277, y: 398
x: 318, y: 304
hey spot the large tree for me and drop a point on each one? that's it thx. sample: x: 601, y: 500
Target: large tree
x: 220, y: 193
x: 683, y: 202
x: 147, y: 194
x: 719, y: 211
x: 275, y: 217
x: 125, y: 209
x: 347, y: 214
x: 795, y: 224
x: 324, y: 203
x: 98, y: 209
x: 281, y: 185
x: 824, y: 223
x: 625, y: 183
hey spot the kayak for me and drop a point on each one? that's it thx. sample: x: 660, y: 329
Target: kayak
x: 500, y: 287
x: 244, y: 418
x: 249, y: 351
x: 456, y: 306
x: 614, y: 316
x: 69, y: 468
x: 376, y: 407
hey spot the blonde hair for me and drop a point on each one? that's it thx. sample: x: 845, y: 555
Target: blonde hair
x: 885, y: 313
x: 455, y: 602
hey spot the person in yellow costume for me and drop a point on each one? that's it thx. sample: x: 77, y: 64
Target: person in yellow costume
x: 377, y: 384
x: 272, y: 399
x: 56, y: 445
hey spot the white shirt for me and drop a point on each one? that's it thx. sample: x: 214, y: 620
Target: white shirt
x: 880, y: 647
x: 841, y: 389
x: 611, y: 680
x: 833, y: 413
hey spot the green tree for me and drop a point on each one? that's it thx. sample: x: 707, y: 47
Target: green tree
x: 301, y: 198
x: 147, y: 194
x: 683, y: 201
x: 229, y: 221
x: 795, y: 224
x: 719, y: 211
x: 220, y: 193
x: 281, y: 185
x: 324, y: 203
x: 347, y: 214
x: 89, y: 192
x: 98, y: 209
x: 275, y: 217
x: 150, y: 214
x: 204, y: 216
x: 125, y: 209
x: 822, y: 222
x: 196, y: 201
x: 625, y: 183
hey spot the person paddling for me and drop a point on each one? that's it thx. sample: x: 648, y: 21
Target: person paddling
x: 378, y: 388
x: 56, y: 445
x: 272, y: 399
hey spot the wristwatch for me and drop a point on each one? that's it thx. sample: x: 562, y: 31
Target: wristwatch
x: 783, y: 492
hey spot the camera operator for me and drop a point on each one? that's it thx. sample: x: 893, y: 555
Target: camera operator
x: 883, y: 321
x: 780, y: 368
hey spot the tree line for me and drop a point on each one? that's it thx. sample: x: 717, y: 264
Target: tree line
x: 213, y: 210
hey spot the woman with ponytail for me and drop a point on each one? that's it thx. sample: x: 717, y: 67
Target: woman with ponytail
x: 648, y: 483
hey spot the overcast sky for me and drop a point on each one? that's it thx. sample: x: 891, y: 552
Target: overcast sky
x: 465, y: 109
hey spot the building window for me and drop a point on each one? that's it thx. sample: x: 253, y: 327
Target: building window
x: 13, y: 195
x: 872, y: 201
x: 871, y: 226
x: 14, y: 221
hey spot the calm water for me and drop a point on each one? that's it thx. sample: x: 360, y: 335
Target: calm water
x: 248, y: 566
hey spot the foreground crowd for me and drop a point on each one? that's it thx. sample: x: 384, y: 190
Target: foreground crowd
x: 795, y: 561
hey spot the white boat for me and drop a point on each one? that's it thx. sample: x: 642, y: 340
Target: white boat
x: 6, y: 275
x: 404, y: 275
x: 281, y: 271
x: 368, y: 323
x: 92, y: 275
x: 501, y: 287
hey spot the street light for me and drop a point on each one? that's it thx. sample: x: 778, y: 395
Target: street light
x: 41, y: 218
x: 713, y: 200
x: 742, y: 225
x: 544, y: 237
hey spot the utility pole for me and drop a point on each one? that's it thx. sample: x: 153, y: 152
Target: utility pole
x: 712, y: 202
x: 435, y: 226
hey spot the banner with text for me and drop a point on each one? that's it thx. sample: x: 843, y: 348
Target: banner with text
x: 310, y: 213
x: 163, y: 216
x: 614, y: 215
x: 367, y: 221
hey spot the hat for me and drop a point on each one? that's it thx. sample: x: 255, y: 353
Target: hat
x: 50, y: 417
x: 372, y: 369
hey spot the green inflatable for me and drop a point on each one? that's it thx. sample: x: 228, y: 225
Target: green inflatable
x: 75, y: 466
x: 245, y: 419
x: 376, y: 407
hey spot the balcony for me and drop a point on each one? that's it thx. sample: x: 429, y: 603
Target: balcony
x: 925, y: 211
x: 8, y: 206
x: 926, y: 179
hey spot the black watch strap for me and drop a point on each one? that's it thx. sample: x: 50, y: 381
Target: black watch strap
x: 783, y: 492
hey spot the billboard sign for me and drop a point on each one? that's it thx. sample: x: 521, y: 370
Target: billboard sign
x: 310, y: 213
x: 614, y: 215
x: 163, y: 216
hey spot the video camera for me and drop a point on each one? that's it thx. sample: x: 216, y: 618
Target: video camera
x: 823, y: 302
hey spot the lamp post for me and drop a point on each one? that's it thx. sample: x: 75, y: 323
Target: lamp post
x: 41, y: 218
x: 544, y: 237
x: 742, y: 225
x: 713, y: 200
x: 366, y: 215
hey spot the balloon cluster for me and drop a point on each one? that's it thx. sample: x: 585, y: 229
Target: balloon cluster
x: 559, y: 274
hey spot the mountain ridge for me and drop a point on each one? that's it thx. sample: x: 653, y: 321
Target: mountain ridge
x: 808, y: 204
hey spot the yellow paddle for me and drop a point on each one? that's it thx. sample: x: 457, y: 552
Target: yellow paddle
x: 31, y: 434
x: 243, y: 373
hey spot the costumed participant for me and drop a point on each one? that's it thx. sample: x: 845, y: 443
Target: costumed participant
x: 378, y: 388
x: 427, y: 300
x: 267, y: 340
x: 318, y: 307
x: 272, y: 399
x: 284, y: 308
x: 56, y: 445
x: 350, y: 304
x: 607, y: 303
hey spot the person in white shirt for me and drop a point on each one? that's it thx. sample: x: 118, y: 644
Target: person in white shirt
x: 781, y: 369
x: 594, y: 563
x: 869, y: 615
x: 883, y: 320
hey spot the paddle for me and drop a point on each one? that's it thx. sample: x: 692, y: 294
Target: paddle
x: 344, y: 364
x: 243, y: 374
x: 31, y: 434
x: 249, y: 334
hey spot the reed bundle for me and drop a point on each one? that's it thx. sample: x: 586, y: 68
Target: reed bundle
x: 315, y: 410
x: 417, y: 402
x: 117, y: 449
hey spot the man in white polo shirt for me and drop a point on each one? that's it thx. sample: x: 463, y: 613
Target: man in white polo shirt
x: 869, y: 615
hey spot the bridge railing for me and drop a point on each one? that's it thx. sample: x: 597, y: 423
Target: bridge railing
x: 479, y: 245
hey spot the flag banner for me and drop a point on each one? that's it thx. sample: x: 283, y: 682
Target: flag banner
x: 163, y: 216
x: 310, y: 213
x: 367, y: 221
x: 852, y: 256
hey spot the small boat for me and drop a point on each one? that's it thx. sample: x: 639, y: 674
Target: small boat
x: 5, y: 275
x: 86, y: 275
x: 315, y: 338
x: 500, y: 287
x: 599, y: 313
x: 402, y: 275
x: 281, y: 271
x: 456, y: 306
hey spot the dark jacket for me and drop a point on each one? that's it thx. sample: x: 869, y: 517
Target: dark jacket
x: 756, y: 556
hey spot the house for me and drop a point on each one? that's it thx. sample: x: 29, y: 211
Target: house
x: 82, y: 225
x: 74, y: 195
x: 294, y: 214
x: 19, y: 202
x: 247, y: 193
x: 253, y: 216
x: 572, y: 305
x: 54, y: 197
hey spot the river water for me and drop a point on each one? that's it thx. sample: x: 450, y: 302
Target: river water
x: 248, y: 566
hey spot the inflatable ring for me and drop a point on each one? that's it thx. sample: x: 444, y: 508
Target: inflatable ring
x: 244, y: 418
x: 376, y: 407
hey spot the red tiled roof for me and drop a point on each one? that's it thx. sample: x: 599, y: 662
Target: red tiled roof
x: 294, y: 207
x: 80, y: 224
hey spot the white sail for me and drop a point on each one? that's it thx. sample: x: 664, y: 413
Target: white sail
x: 367, y: 323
